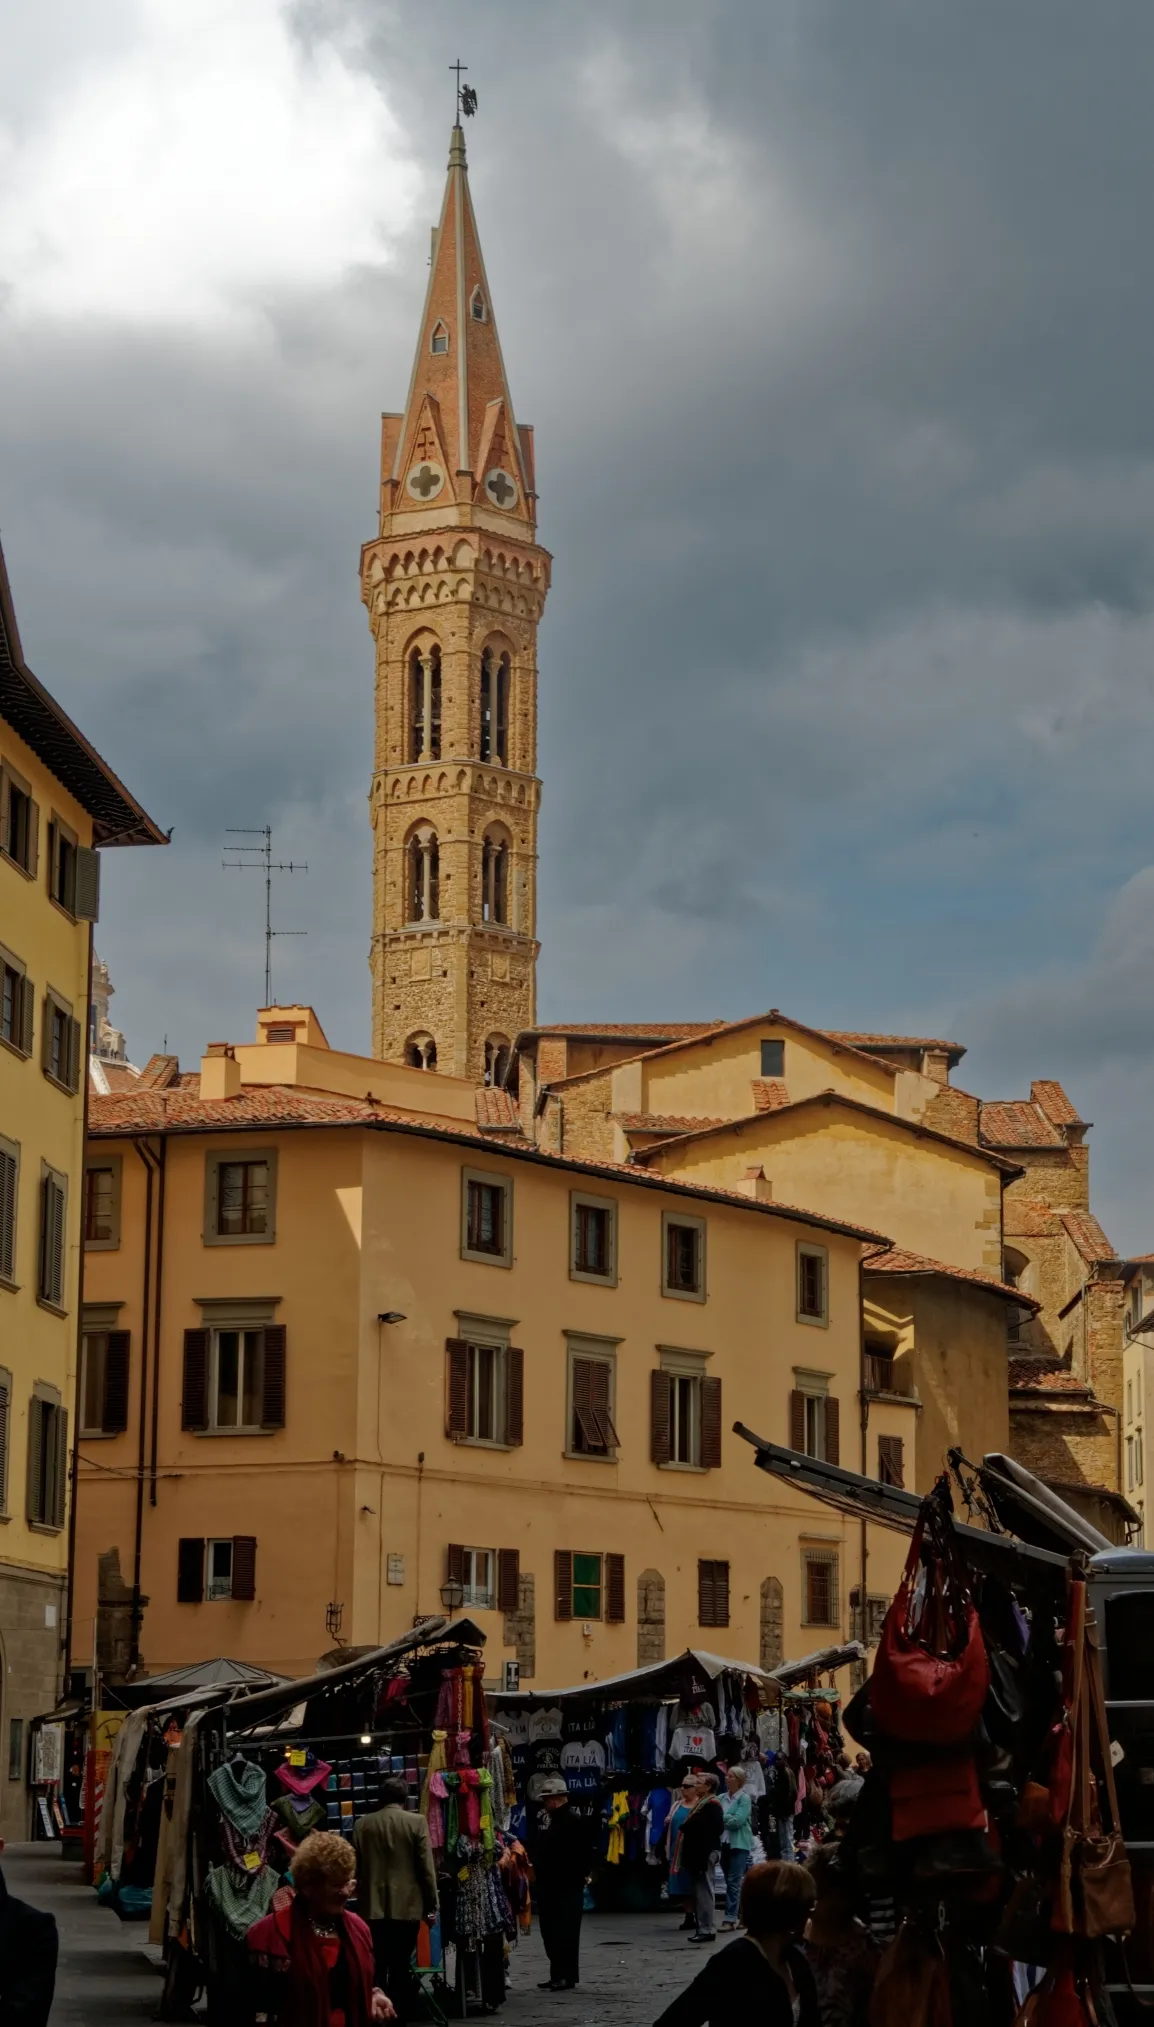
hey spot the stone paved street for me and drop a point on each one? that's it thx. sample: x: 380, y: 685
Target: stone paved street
x: 109, y: 1976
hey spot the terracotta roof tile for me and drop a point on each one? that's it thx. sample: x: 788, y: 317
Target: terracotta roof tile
x: 1087, y: 1235
x: 662, y: 1122
x: 769, y: 1094
x: 496, y: 1112
x: 1014, y: 1122
x: 1036, y: 1375
x: 1053, y: 1101
x: 896, y: 1120
x: 1029, y: 1218
x: 872, y: 1041
x: 895, y: 1260
x: 644, y: 1030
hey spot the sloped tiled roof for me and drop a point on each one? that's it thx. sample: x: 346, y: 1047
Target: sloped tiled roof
x: 1087, y: 1235
x: 1015, y: 1122
x: 896, y: 1120
x: 496, y: 1112
x: 105, y: 1076
x: 872, y: 1041
x: 1035, y: 1375
x: 1054, y: 1103
x: 662, y: 1122
x: 622, y: 1030
x: 769, y: 1094
x: 774, y: 1018
x: 895, y: 1260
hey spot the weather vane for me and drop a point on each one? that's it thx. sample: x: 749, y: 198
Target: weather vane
x: 466, y: 96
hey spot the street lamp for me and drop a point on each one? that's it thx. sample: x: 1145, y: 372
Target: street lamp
x: 452, y: 1595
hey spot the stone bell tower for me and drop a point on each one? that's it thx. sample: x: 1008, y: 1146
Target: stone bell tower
x: 455, y: 585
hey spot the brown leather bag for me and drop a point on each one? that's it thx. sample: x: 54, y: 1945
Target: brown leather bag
x: 1107, y: 1890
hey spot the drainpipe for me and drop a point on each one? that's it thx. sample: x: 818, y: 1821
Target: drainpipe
x: 162, y: 1161
x: 70, y: 1575
x: 151, y: 1165
x: 864, y: 1420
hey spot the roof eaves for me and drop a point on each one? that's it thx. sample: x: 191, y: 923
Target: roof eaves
x: 709, y: 1035
x: 914, y: 1126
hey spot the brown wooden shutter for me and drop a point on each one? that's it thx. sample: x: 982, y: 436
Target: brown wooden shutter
x: 190, y: 1569
x: 87, y: 884
x: 721, y: 1593
x: 562, y: 1583
x: 272, y: 1411
x: 5, y: 1412
x: 244, y: 1568
x: 8, y: 1174
x: 56, y: 1511
x: 660, y: 1405
x: 584, y: 1432
x: 711, y: 1424
x: 33, y: 1490
x: 514, y: 1394
x: 508, y: 1579
x: 832, y: 1430
x: 194, y: 1395
x: 114, y: 1418
x: 615, y: 1589
x: 75, y: 1051
x: 455, y: 1562
x: 797, y: 1420
x: 33, y: 865
x: 27, y: 1016
x: 891, y: 1461
x: 704, y: 1593
x: 457, y: 1402
x: 46, y: 1033
x: 600, y: 1380
x: 51, y: 844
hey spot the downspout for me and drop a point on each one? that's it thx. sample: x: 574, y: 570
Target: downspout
x: 150, y: 1167
x: 864, y: 1421
x: 74, y: 1461
x: 162, y: 1161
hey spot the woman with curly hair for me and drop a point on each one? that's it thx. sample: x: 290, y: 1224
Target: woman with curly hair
x: 313, y: 1956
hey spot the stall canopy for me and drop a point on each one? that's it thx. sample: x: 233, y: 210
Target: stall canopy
x: 663, y: 1680
x: 192, y: 1681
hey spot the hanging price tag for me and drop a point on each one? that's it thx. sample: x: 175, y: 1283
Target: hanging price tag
x: 1117, y: 1753
x: 298, y: 1757
x: 252, y: 1861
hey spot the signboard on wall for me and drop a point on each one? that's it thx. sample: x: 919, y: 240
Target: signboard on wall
x: 48, y: 1754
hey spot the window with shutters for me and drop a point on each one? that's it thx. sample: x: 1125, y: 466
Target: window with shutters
x: 53, y: 1220
x: 683, y: 1257
x: 489, y: 1577
x: 102, y: 1204
x: 218, y: 1568
x: 61, y: 1051
x: 19, y: 821
x: 891, y: 1460
x: 592, y: 1388
x: 240, y: 1198
x: 479, y: 1578
x: 9, y: 1198
x: 713, y: 1593
x: 486, y: 1218
x: 47, y: 1479
x: 104, y: 1352
x: 62, y: 850
x: 814, y: 1417
x: 686, y: 1412
x: 812, y: 1276
x: 485, y: 1386
x: 236, y: 1379
x: 587, y: 1570
x: 821, y: 1600
x: 5, y: 1433
x: 587, y: 1586
x: 17, y: 1004
x: 592, y: 1239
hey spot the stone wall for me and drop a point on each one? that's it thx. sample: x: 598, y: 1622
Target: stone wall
x: 31, y: 1630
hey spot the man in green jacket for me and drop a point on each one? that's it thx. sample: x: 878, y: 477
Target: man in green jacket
x: 396, y: 1887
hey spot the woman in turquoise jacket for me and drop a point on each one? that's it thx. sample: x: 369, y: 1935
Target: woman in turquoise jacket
x: 737, y: 1841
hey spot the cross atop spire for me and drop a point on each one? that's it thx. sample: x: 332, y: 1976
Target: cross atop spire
x: 458, y: 444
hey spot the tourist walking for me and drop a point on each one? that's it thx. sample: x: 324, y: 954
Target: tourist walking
x: 397, y: 1888
x: 762, y: 1977
x: 737, y: 1844
x: 700, y: 1849
x: 561, y: 1861
x: 28, y: 1948
x: 680, y: 1885
x: 313, y: 1957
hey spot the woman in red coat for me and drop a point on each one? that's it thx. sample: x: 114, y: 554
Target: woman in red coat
x: 313, y: 1956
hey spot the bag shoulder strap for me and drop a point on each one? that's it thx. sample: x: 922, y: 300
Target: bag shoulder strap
x: 1076, y: 1635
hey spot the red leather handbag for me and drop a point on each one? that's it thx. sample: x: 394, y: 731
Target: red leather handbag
x: 931, y: 1674
x: 926, y: 1801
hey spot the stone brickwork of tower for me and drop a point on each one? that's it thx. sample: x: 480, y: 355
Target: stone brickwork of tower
x: 455, y: 585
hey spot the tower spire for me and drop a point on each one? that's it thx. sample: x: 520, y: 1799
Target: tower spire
x: 455, y: 584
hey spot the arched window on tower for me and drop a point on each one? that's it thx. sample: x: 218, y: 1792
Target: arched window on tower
x: 498, y: 1055
x: 425, y: 703
x: 421, y: 1052
x: 495, y: 878
x: 424, y: 875
x: 495, y: 706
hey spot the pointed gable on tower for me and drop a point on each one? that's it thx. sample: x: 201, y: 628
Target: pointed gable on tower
x: 457, y: 439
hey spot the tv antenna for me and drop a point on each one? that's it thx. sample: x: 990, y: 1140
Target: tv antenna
x: 262, y: 861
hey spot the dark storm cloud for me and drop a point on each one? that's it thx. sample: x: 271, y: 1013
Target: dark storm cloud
x: 833, y: 321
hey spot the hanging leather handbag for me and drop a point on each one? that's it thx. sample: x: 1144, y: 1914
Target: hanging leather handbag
x: 1104, y: 1880
x: 930, y: 1676
x: 1061, y: 2000
x: 928, y: 1800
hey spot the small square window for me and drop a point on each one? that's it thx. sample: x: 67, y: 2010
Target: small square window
x: 772, y: 1059
x: 684, y: 1257
x: 822, y: 1602
x: 593, y: 1239
x: 586, y: 1586
x: 219, y: 1569
x: 486, y: 1218
x: 18, y: 821
x: 240, y: 1198
x: 812, y: 1301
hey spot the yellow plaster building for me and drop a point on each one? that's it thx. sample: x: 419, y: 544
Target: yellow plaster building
x: 59, y: 804
x: 369, y: 1339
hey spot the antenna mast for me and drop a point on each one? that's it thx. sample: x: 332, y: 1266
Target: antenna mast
x: 263, y: 861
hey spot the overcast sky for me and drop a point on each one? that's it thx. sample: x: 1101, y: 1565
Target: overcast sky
x: 834, y: 318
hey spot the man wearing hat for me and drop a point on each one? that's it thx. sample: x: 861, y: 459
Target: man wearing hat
x: 561, y: 1859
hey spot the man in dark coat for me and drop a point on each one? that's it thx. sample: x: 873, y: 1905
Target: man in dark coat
x: 561, y: 1859
x: 28, y: 1947
x: 700, y: 1848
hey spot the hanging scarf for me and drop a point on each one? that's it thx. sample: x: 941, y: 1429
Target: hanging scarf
x: 434, y: 1791
x: 302, y: 1780
x: 239, y: 1792
x: 248, y: 1854
x: 618, y: 1810
x: 240, y: 1898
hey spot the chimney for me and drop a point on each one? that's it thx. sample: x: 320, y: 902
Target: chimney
x: 756, y: 1185
x: 219, y: 1072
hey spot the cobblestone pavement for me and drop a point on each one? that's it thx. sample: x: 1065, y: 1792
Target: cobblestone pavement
x: 631, y: 1964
